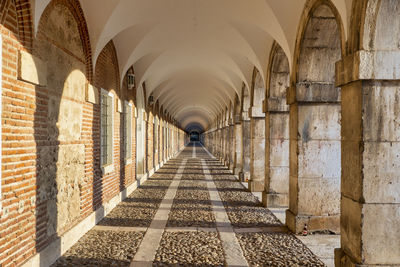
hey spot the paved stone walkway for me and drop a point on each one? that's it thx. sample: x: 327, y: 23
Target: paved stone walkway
x: 191, y: 212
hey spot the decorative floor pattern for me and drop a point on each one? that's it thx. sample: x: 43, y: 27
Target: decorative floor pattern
x: 191, y: 212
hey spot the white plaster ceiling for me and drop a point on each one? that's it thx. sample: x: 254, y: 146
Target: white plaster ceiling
x: 194, y: 55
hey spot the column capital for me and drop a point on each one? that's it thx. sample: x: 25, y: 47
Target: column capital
x: 368, y: 65
x: 256, y: 112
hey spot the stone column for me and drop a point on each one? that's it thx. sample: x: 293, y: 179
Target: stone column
x: 238, y: 147
x: 257, y: 150
x: 227, y: 144
x: 221, y: 144
x: 314, y: 154
x: 370, y: 189
x: 231, y: 145
x: 245, y: 175
x: 277, y: 154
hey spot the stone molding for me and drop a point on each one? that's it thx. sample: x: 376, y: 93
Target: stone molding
x: 368, y: 65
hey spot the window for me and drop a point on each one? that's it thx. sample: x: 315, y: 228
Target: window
x: 128, y: 130
x: 107, y: 110
x: 155, y: 135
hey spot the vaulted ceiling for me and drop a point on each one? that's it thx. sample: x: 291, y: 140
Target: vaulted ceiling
x: 194, y: 55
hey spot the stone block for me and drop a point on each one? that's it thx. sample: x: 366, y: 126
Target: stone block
x: 92, y: 94
x: 31, y: 69
x: 351, y: 109
x: 277, y: 105
x: 319, y: 196
x: 319, y: 122
x: 319, y: 159
x: 279, y: 179
x: 256, y: 186
x: 317, y: 92
x: 120, y: 108
x: 256, y: 112
x: 380, y: 111
x: 274, y: 200
x: 296, y: 223
x: 279, y: 152
x: 351, y: 182
x: 293, y: 193
x: 279, y: 125
x: 381, y: 234
x: 350, y: 228
x: 381, y: 168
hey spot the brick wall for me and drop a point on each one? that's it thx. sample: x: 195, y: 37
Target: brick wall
x: 17, y: 228
x: 51, y: 132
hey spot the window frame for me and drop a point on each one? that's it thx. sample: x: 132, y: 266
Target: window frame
x: 128, y: 158
x: 107, y: 167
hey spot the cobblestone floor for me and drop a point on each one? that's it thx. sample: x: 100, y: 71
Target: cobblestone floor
x: 175, y: 219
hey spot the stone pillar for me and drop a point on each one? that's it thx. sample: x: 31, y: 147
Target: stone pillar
x: 231, y: 145
x: 245, y: 175
x: 370, y: 194
x: 221, y: 144
x: 314, y: 154
x: 276, y: 193
x: 257, y: 150
x: 238, y: 148
x: 225, y: 143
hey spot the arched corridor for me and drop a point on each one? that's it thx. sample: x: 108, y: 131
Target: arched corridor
x: 200, y: 133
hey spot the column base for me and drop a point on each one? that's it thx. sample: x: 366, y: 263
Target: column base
x: 256, y: 186
x: 237, y: 171
x: 343, y: 260
x: 328, y: 224
x: 244, y: 176
x: 275, y: 200
x: 231, y: 166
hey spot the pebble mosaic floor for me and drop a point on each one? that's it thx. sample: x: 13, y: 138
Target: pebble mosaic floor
x: 191, y: 212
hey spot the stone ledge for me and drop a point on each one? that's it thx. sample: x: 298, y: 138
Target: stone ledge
x: 368, y: 65
x: 31, y: 69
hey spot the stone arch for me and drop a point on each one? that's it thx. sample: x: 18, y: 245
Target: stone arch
x: 276, y: 193
x: 62, y: 138
x: 315, y: 112
x: 75, y: 9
